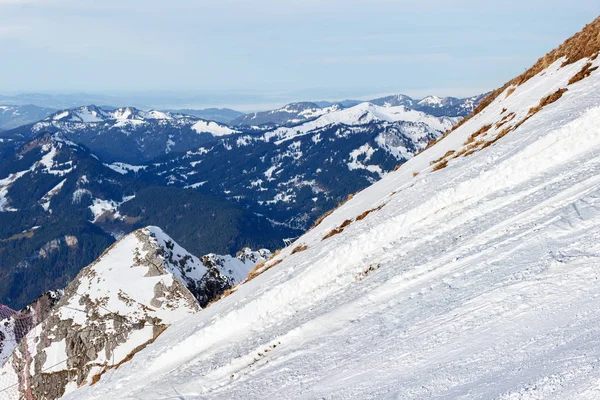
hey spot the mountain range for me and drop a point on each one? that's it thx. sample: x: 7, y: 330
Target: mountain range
x: 470, y: 272
x: 19, y: 113
x: 61, y: 207
x: 14, y: 116
x: 77, y: 180
x: 466, y: 265
x: 292, y: 175
x: 127, y: 134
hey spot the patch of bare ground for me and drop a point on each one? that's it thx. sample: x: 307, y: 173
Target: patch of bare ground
x: 263, y: 266
x: 546, y: 101
x: 471, y: 145
x: 338, y: 230
x: 440, y: 165
x: 483, y: 130
x: 347, y: 222
x: 585, y: 72
x: 18, y: 236
x: 300, y: 248
x: 366, y: 213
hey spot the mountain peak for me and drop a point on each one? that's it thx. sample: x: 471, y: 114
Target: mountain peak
x: 112, y: 309
x: 128, y: 134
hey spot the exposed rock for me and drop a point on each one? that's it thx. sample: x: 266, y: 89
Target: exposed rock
x: 111, y: 310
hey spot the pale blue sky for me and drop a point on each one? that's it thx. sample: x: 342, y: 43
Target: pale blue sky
x: 250, y: 53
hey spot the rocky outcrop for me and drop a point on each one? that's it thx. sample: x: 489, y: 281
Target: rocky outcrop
x: 109, y: 312
x: 211, y: 275
x: 113, y: 309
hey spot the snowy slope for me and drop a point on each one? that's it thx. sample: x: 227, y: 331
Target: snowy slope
x: 128, y: 117
x: 290, y: 114
x: 476, y: 280
x: 362, y: 114
x: 114, y: 307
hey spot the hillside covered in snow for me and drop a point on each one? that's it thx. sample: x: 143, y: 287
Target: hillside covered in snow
x: 470, y: 272
x: 113, y: 309
x: 294, y: 174
x: 127, y: 134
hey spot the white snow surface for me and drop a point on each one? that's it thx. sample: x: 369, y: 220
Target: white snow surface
x: 101, y: 207
x: 124, y: 168
x: 116, y: 272
x: 51, y: 193
x: 477, y: 281
x: 82, y: 117
x: 358, y: 115
x: 213, y: 128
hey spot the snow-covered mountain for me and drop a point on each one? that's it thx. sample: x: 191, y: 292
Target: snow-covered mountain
x: 297, y: 113
x: 294, y: 174
x: 448, y: 106
x: 223, y: 115
x: 395, y: 101
x: 127, y: 134
x: 109, y: 312
x: 13, y: 116
x: 60, y: 207
x: 113, y: 309
x: 291, y: 114
x: 362, y: 114
x: 471, y: 272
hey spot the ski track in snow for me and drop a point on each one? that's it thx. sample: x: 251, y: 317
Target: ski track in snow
x: 484, y: 283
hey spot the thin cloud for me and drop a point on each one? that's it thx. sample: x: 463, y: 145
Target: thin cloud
x: 13, y: 30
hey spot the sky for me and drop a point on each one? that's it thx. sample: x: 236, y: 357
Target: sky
x: 259, y: 53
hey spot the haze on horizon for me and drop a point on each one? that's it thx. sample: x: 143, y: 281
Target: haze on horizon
x: 250, y: 54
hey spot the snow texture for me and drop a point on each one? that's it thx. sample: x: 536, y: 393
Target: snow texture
x: 478, y: 280
x: 361, y: 114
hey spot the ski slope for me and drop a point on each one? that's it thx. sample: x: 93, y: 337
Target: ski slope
x: 478, y: 280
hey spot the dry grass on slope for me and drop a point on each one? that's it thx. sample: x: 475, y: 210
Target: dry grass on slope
x: 584, y: 73
x: 585, y: 44
x: 480, y: 140
x: 347, y: 222
x: 300, y: 249
x: 544, y: 102
x: 328, y: 213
